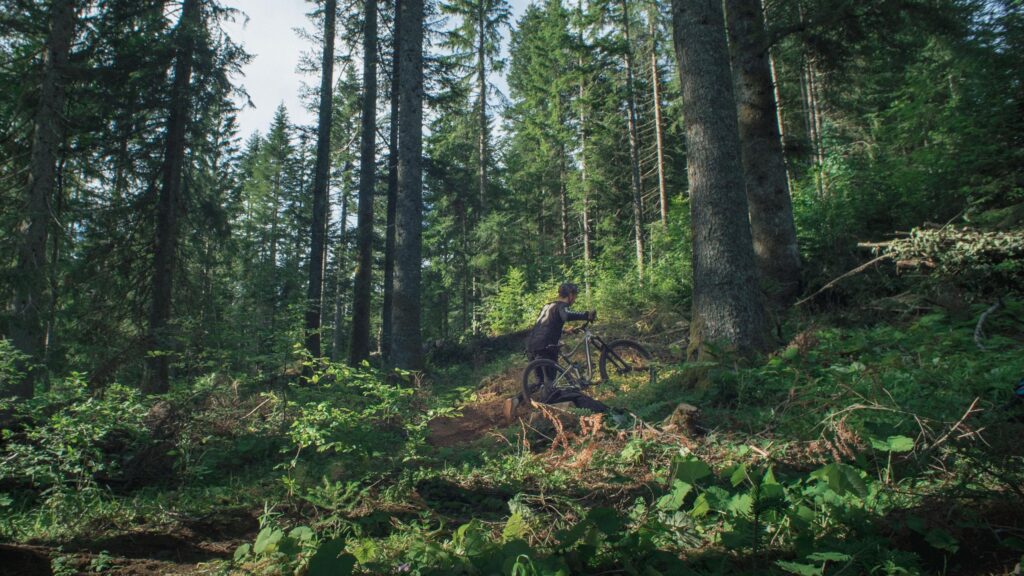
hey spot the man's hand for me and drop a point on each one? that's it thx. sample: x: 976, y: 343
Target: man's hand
x: 592, y: 315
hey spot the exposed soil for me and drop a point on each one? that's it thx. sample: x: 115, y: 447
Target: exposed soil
x: 143, y: 553
x: 475, y: 421
x: 486, y: 414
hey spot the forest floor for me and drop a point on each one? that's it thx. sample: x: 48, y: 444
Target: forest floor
x: 892, y: 444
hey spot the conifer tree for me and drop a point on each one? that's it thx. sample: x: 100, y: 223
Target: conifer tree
x: 168, y: 210
x: 771, y: 209
x: 32, y: 269
x: 406, y: 340
x: 318, y: 230
x: 727, y: 307
x: 360, y: 344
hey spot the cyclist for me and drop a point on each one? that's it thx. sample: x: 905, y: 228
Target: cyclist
x: 543, y: 343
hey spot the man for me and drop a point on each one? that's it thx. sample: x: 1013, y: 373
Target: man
x: 543, y: 343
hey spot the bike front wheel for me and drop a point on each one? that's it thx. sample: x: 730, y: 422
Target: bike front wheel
x: 625, y: 360
x: 542, y: 376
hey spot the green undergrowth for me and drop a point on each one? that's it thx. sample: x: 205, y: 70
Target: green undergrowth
x: 870, y: 448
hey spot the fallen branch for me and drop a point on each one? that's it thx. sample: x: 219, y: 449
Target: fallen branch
x: 979, y: 330
x: 971, y: 410
x: 256, y: 408
x: 855, y: 271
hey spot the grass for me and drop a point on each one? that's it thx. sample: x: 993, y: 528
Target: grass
x: 886, y: 448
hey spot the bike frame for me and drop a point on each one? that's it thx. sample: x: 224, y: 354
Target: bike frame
x: 599, y: 346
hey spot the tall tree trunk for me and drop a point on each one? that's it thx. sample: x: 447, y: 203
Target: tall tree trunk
x: 634, y: 147
x: 481, y: 81
x: 815, y: 109
x: 780, y: 116
x: 318, y: 231
x: 361, y: 301
x: 392, y: 202
x: 771, y: 209
x: 727, y: 307
x: 563, y: 198
x: 406, y: 340
x: 658, y: 134
x: 170, y: 203
x: 584, y: 183
x: 340, y: 280
x: 27, y: 333
x: 272, y: 297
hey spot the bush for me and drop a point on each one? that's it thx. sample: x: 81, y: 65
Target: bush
x: 73, y: 436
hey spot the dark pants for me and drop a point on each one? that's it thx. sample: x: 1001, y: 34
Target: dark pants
x: 554, y: 396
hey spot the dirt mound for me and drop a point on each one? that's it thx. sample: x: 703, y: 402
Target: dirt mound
x: 487, y: 413
x: 26, y: 560
x: 475, y: 421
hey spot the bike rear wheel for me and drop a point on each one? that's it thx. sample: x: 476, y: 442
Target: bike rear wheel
x: 541, y: 376
x: 626, y: 360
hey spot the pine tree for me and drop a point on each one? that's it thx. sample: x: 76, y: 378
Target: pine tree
x: 32, y: 270
x: 771, y: 209
x: 318, y: 230
x: 360, y: 344
x: 406, y: 342
x: 168, y: 211
x: 727, y: 306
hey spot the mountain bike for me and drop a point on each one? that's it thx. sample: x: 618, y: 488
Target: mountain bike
x: 623, y: 361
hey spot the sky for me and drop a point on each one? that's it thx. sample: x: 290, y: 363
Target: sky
x: 271, y: 77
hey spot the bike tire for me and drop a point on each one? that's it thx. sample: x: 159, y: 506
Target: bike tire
x: 533, y: 384
x: 622, y: 357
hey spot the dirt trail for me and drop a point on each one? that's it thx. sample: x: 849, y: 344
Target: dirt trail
x: 479, y: 417
x: 181, y: 550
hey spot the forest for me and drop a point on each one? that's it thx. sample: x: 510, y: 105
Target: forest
x: 301, y: 350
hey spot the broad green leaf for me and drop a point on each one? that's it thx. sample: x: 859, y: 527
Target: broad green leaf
x: 772, y: 492
x: 689, y: 470
x: 301, y: 533
x: 740, y: 504
x: 916, y: 523
x: 939, y: 538
x: 606, y: 520
x: 800, y: 569
x: 674, y: 500
x: 701, y: 507
x: 738, y: 475
x: 329, y: 560
x: 515, y: 528
x: 893, y: 444
x: 267, y: 540
x: 842, y: 479
x: 242, y: 551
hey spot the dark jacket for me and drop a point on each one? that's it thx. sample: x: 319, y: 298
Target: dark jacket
x: 548, y: 329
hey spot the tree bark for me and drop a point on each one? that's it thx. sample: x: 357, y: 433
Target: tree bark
x: 392, y: 201
x: 634, y: 147
x: 481, y: 79
x: 170, y: 202
x: 727, y: 306
x: 27, y: 332
x: 563, y: 199
x: 318, y: 230
x: 406, y: 340
x: 658, y: 134
x: 771, y: 209
x: 341, y: 280
x: 361, y: 301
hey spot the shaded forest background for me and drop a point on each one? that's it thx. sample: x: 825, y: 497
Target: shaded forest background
x: 893, y: 115
x: 828, y: 192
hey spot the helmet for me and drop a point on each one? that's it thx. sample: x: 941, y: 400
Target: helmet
x: 568, y: 288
